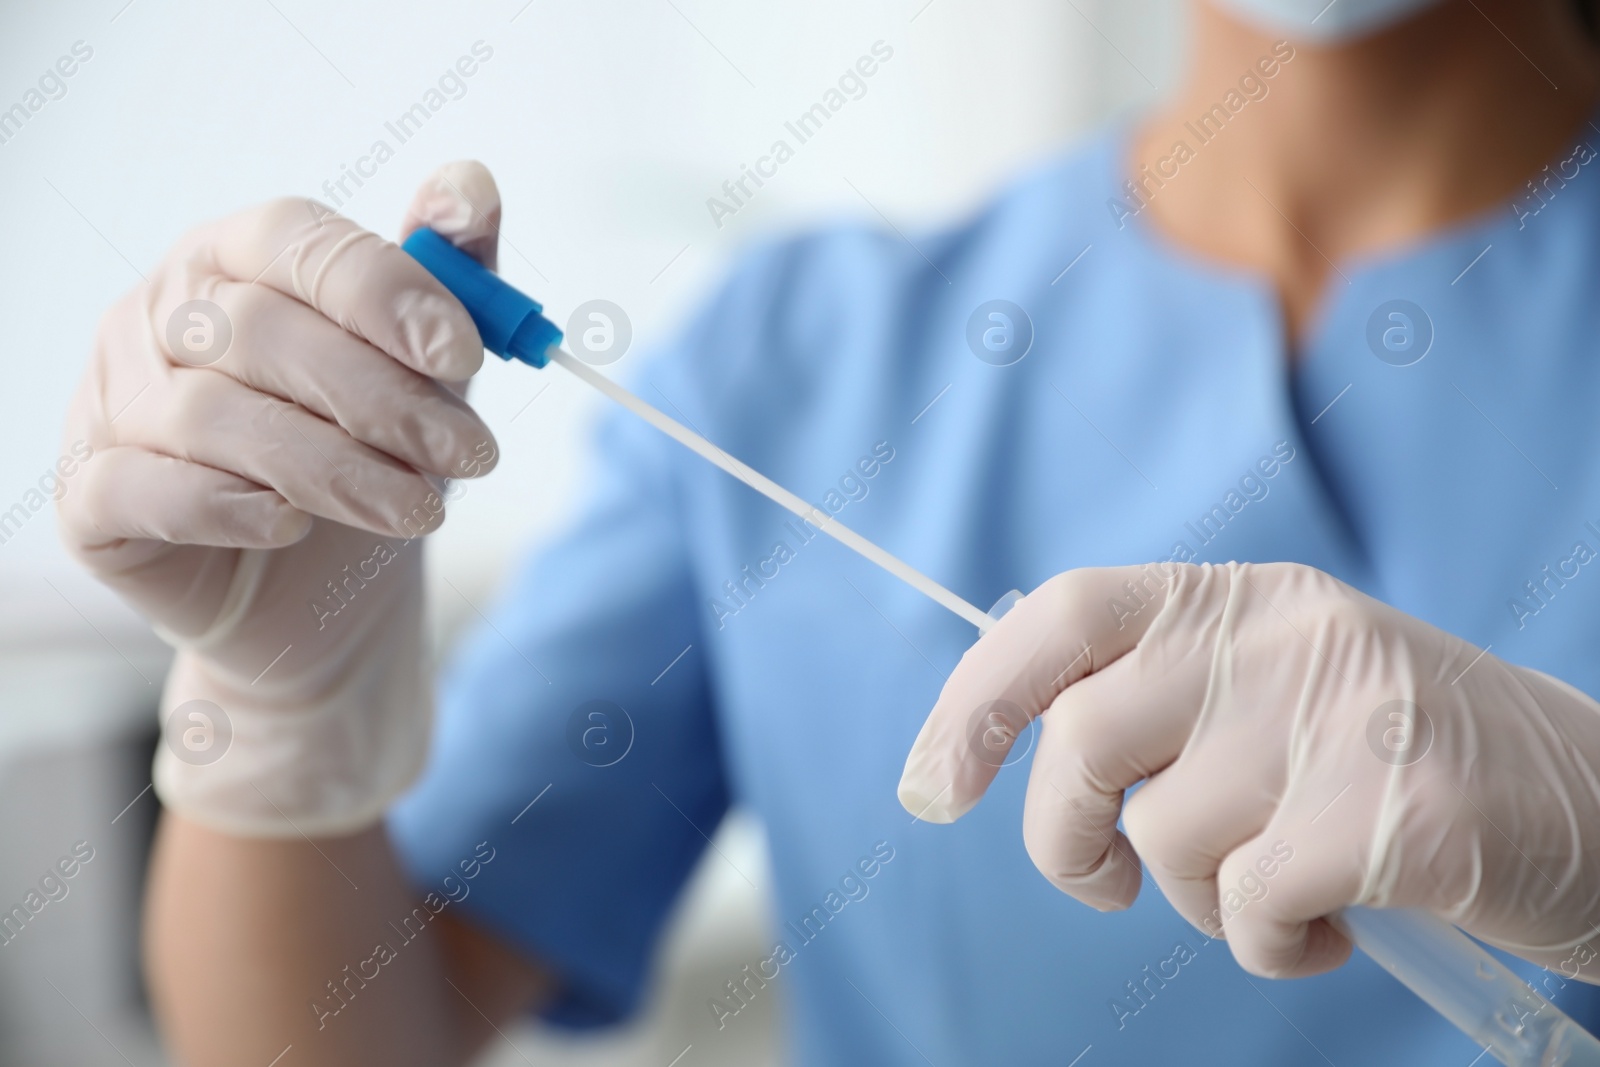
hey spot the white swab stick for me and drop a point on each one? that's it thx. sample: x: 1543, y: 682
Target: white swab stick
x: 772, y: 490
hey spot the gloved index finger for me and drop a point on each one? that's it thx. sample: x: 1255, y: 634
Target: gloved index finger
x: 366, y: 284
x: 1077, y: 623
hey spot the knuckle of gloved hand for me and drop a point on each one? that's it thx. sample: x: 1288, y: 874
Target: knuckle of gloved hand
x: 237, y: 315
x: 1332, y: 623
x: 1084, y: 743
x: 1066, y: 602
x: 288, y: 220
x: 122, y: 330
x: 172, y: 280
x: 1067, y: 596
x: 1278, y: 571
x: 198, y: 243
x: 1156, y: 832
x: 195, y: 399
x: 1300, y: 583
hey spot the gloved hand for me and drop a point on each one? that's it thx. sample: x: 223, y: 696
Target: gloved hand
x: 1272, y: 713
x: 272, y: 417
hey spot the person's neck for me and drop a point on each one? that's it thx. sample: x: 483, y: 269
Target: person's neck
x: 1364, y: 146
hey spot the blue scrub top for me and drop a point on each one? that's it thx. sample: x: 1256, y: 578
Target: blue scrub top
x: 687, y: 645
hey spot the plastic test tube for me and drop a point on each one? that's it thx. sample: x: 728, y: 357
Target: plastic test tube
x: 1439, y: 963
x: 1475, y: 991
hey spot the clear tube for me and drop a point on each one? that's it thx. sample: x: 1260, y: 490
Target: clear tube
x: 1456, y: 977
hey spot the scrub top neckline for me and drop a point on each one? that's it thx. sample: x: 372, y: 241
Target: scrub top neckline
x: 1485, y: 225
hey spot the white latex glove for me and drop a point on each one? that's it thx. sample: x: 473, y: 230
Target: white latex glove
x: 259, y: 476
x: 1254, y: 701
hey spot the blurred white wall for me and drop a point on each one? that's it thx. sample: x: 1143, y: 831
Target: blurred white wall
x: 608, y: 124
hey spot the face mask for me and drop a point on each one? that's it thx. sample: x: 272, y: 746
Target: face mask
x: 1321, y: 22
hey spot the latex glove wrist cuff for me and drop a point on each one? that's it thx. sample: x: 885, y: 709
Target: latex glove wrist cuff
x: 283, y: 755
x: 322, y: 771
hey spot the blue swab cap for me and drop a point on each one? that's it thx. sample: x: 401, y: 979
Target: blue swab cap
x: 508, y: 320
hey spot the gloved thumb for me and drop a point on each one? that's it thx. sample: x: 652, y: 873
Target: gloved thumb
x: 461, y: 201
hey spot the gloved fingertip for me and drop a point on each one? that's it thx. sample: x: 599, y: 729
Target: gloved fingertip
x: 1311, y: 949
x: 929, y: 805
x: 935, y: 786
x: 1118, y: 887
x: 419, y: 522
x: 290, y: 526
x: 439, y: 337
x: 1325, y: 949
x: 1110, y: 883
x: 461, y: 201
x: 258, y: 518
